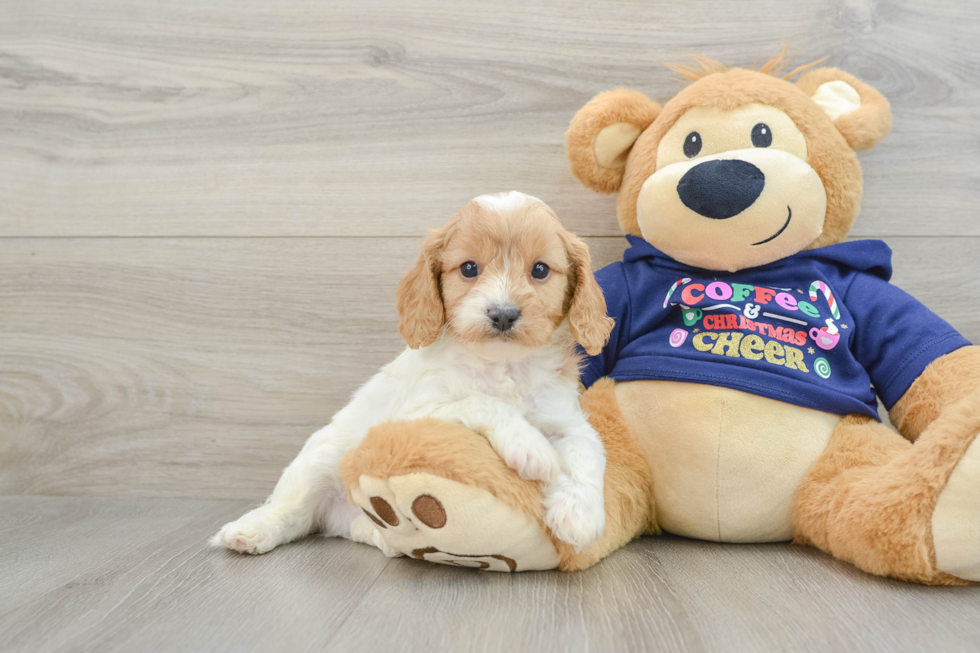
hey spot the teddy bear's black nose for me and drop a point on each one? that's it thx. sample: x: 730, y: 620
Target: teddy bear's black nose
x: 721, y: 189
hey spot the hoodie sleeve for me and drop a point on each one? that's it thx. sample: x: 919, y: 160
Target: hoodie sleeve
x: 612, y: 280
x: 896, y: 336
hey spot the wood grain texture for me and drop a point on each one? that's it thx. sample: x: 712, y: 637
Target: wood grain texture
x: 136, y: 575
x: 49, y: 542
x: 628, y: 603
x: 187, y: 367
x: 135, y: 117
x: 780, y: 597
x: 197, y: 367
x: 665, y: 594
x: 175, y: 593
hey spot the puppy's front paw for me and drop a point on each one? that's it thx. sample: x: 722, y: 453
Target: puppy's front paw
x: 575, y: 512
x: 253, y: 533
x: 530, y: 455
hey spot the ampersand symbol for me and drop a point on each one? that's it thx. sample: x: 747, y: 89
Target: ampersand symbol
x: 751, y: 311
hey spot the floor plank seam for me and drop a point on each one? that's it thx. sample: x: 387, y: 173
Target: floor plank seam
x: 367, y: 588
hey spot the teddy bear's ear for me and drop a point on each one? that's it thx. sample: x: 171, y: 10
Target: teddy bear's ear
x: 602, y: 133
x: 860, y: 113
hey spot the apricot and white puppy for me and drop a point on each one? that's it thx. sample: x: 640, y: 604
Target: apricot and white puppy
x: 491, y: 312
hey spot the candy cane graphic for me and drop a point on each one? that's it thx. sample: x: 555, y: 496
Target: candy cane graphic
x: 825, y: 289
x: 670, y: 292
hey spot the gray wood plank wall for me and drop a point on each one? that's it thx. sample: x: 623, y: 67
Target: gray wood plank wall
x: 205, y: 207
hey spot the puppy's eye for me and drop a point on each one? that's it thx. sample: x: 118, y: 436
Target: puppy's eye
x: 761, y: 135
x: 469, y: 270
x: 692, y: 145
x: 540, y: 271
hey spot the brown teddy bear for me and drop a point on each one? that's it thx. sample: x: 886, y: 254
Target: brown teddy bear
x: 737, y: 395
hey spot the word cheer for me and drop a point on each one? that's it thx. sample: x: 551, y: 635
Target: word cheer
x: 752, y: 347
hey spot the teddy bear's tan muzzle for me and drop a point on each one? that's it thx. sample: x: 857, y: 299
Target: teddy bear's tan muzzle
x: 733, y: 210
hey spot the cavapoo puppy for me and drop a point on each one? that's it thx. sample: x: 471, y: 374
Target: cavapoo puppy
x: 491, y: 312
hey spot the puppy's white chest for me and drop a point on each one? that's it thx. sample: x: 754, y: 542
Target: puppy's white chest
x: 493, y: 380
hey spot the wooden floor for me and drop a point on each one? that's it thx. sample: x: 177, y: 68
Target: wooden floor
x: 205, y: 207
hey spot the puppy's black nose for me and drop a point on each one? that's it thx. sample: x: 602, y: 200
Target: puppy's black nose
x: 503, y: 317
x: 721, y: 189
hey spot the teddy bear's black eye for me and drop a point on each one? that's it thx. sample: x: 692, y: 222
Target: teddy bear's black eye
x: 692, y: 144
x: 540, y: 271
x: 469, y: 269
x: 761, y: 135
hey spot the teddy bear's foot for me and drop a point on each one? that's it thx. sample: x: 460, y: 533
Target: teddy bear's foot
x: 898, y: 509
x: 432, y: 518
x: 436, y: 491
x: 956, y: 519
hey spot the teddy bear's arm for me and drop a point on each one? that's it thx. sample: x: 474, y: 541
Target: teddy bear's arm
x: 946, y: 381
x: 896, y: 338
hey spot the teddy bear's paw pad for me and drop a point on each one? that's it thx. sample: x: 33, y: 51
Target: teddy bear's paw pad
x: 432, y: 518
x: 956, y: 519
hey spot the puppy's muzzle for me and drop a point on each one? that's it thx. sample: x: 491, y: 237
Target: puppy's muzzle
x: 502, y: 318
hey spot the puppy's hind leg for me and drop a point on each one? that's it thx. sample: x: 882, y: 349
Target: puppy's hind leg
x: 300, y: 504
x: 311, y: 487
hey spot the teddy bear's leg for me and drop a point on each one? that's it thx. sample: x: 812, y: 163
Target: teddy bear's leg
x: 949, y: 390
x: 437, y: 491
x: 873, y: 497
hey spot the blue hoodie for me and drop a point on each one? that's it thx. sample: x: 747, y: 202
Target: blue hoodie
x: 821, y: 329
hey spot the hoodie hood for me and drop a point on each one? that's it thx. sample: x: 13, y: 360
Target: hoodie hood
x: 871, y: 256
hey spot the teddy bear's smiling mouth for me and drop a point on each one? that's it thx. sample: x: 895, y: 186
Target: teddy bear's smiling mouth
x: 781, y: 229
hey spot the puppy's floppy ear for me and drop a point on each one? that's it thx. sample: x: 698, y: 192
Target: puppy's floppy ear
x: 587, y: 317
x: 419, y: 298
x: 602, y: 133
x: 860, y: 113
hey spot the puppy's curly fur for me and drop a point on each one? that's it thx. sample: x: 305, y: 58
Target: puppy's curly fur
x: 514, y: 379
